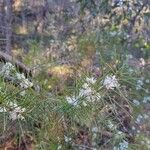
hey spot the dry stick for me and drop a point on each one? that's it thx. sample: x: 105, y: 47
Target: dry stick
x: 22, y: 68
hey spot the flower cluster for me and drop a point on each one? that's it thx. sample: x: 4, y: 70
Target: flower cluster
x: 86, y: 92
x: 122, y: 146
x: 141, y: 117
x: 72, y: 100
x: 15, y: 111
x: 91, y: 80
x: 139, y: 84
x: 146, y: 99
x: 24, y: 82
x: 111, y: 125
x: 3, y: 109
x: 136, y: 102
x: 110, y: 82
x: 67, y: 139
x: 142, y: 62
x: 7, y: 69
x: 147, y: 81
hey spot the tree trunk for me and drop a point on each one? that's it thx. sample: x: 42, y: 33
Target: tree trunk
x: 2, y: 26
x: 41, y: 17
x: 8, y: 21
x: 1, y: 13
x: 24, y: 19
x: 24, y: 23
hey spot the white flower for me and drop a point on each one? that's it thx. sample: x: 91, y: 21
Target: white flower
x: 84, y: 103
x: 110, y: 125
x: 120, y: 3
x: 110, y: 82
x: 119, y: 134
x: 81, y: 93
x: 24, y: 82
x: 147, y: 81
x: 146, y: 90
x: 140, y: 82
x: 146, y: 99
x: 94, y: 129
x: 85, y: 86
x: 138, y: 131
x: 7, y: 69
x: 67, y: 139
x: 85, y: 92
x: 133, y: 128
x: 136, y: 102
x: 20, y: 76
x: 22, y: 93
x: 59, y: 147
x: 123, y: 145
x: 138, y: 87
x: 142, y: 62
x: 72, y: 100
x: 90, y: 80
x: 3, y: 109
x: 139, y: 118
x: 115, y: 148
x: 16, y: 112
x: 129, y: 56
x: 88, y: 93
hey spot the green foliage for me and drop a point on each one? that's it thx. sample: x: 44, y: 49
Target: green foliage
x: 75, y: 104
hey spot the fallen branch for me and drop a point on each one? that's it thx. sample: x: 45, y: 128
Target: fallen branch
x: 22, y: 68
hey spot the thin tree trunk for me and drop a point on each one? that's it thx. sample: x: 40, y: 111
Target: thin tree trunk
x: 41, y: 17
x: 24, y: 23
x: 2, y: 27
x: 1, y: 13
x: 8, y: 21
x: 24, y: 19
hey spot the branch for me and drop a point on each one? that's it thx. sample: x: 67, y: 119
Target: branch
x: 22, y: 68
